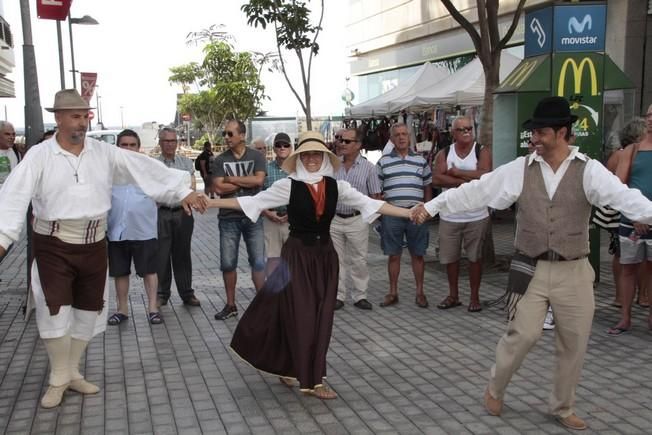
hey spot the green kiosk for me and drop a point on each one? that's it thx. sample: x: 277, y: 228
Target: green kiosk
x: 564, y: 56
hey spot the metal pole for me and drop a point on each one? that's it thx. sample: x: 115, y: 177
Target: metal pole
x: 72, y: 54
x: 63, y: 78
x: 33, y: 112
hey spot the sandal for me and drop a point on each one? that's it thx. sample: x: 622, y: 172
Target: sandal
x: 389, y: 300
x: 449, y: 302
x: 322, y: 392
x: 288, y: 382
x: 117, y: 319
x: 474, y: 307
x: 155, y: 318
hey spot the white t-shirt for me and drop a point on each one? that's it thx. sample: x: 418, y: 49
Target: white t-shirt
x: 8, y: 161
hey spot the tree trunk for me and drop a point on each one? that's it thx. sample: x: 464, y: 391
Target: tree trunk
x: 308, y: 109
x: 491, y: 80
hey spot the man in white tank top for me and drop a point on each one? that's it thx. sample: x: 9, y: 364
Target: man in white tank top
x: 460, y: 163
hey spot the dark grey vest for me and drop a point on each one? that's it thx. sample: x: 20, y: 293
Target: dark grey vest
x: 561, y: 224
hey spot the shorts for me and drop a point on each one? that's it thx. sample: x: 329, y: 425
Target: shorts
x: 394, y: 229
x: 453, y: 234
x: 144, y: 254
x: 253, y: 234
x: 635, y: 252
x: 275, y: 237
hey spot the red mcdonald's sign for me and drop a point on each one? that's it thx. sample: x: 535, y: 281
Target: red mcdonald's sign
x: 53, y: 9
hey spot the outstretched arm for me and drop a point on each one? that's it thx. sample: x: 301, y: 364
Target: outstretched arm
x: 231, y: 203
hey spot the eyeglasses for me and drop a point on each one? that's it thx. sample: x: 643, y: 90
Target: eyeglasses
x: 228, y: 133
x: 348, y: 141
x: 464, y: 129
x: 282, y: 145
x: 338, y: 137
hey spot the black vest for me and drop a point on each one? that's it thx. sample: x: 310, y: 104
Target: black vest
x: 301, y: 211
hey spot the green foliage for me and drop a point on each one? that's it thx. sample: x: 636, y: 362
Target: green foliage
x: 294, y: 32
x: 228, y: 87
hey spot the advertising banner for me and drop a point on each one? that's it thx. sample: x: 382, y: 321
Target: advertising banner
x: 538, y: 32
x: 579, y: 77
x: 53, y: 9
x: 88, y: 81
x: 580, y: 27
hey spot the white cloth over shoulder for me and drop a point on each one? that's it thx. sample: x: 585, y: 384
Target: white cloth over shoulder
x: 278, y: 194
x: 64, y: 186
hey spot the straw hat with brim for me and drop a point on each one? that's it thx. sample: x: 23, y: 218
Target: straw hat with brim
x: 550, y: 112
x: 68, y: 99
x: 309, y: 141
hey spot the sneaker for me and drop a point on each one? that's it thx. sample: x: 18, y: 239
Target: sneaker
x: 227, y: 311
x: 549, y: 323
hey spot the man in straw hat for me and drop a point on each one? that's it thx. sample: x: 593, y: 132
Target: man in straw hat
x: 287, y: 327
x: 68, y: 178
x: 554, y: 188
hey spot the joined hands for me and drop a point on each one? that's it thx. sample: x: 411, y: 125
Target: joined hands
x: 418, y: 214
x: 195, y: 201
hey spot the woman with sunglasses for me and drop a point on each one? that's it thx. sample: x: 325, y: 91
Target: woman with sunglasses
x: 287, y: 327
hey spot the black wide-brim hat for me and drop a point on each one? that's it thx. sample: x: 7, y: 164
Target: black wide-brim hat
x: 550, y: 112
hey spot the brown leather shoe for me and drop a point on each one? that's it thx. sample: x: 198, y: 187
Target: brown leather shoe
x: 493, y: 406
x: 573, y: 422
x: 192, y: 301
x: 390, y: 299
x: 421, y: 301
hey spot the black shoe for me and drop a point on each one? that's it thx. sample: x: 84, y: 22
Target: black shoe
x: 363, y: 304
x: 227, y: 311
x: 338, y: 304
x: 161, y: 301
x: 192, y: 301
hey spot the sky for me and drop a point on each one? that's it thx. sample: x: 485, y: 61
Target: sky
x: 136, y: 43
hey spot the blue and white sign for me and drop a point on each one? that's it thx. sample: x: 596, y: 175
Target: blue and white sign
x: 538, y: 32
x: 580, y: 27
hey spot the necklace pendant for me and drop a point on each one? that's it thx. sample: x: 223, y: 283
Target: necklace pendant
x: 76, y: 177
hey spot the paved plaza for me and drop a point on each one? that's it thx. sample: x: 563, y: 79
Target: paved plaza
x: 401, y: 369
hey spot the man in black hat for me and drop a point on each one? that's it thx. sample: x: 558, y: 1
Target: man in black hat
x: 68, y: 179
x: 554, y: 187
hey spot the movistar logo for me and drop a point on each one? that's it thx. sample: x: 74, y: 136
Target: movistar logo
x: 574, y: 25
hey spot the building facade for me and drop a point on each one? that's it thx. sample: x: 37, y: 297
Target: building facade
x: 7, y: 62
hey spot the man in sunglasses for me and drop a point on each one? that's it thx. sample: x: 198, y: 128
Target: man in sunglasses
x: 464, y: 160
x: 276, y: 225
x: 349, y: 232
x: 238, y: 171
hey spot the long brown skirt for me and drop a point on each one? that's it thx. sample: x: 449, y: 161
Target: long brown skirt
x: 287, y: 327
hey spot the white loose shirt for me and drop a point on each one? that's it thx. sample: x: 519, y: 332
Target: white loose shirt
x: 46, y: 176
x: 502, y: 187
x: 278, y: 194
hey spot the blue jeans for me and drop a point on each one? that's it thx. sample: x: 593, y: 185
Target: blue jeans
x: 394, y: 228
x: 254, y: 238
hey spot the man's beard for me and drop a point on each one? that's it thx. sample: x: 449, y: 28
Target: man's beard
x: 77, y: 137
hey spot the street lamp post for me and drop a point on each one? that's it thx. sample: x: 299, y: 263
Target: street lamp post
x: 87, y: 20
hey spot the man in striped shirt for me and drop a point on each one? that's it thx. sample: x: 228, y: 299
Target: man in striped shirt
x: 349, y: 232
x: 406, y: 181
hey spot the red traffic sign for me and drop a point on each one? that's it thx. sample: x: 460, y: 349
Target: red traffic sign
x: 91, y: 115
x: 53, y: 9
x: 186, y: 117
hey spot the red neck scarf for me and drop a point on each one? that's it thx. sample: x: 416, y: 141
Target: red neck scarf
x: 318, y: 197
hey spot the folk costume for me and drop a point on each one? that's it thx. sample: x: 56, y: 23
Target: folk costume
x: 287, y: 327
x: 71, y: 195
x: 552, y: 244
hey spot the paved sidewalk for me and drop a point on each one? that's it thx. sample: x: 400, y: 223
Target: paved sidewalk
x: 401, y: 369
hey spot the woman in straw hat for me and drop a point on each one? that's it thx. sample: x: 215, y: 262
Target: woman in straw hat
x: 287, y: 327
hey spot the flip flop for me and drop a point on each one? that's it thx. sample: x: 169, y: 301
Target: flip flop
x: 474, y: 308
x: 616, y: 331
x: 117, y: 319
x: 449, y: 302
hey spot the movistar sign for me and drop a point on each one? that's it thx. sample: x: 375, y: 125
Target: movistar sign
x: 580, y: 27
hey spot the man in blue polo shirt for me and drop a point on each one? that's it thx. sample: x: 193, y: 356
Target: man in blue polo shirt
x: 406, y: 181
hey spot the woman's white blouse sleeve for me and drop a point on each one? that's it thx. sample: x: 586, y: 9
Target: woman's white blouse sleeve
x: 277, y: 195
x: 348, y: 195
